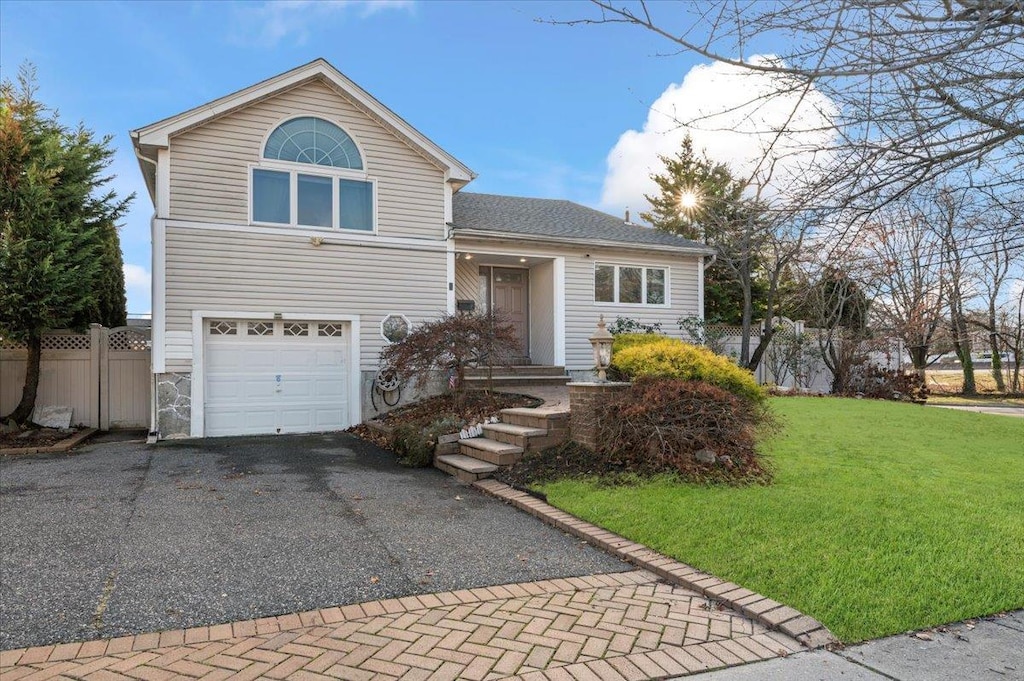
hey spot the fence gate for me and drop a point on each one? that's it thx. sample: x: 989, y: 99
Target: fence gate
x: 103, y: 375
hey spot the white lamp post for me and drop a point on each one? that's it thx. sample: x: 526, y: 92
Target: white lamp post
x: 602, y: 343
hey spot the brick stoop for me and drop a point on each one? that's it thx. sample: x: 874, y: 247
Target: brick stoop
x: 522, y: 430
x: 766, y: 611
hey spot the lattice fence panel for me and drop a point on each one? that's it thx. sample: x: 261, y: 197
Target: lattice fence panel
x: 66, y: 341
x: 130, y: 340
x: 10, y: 344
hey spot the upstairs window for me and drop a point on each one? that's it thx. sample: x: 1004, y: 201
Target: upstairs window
x: 629, y: 284
x: 312, y: 175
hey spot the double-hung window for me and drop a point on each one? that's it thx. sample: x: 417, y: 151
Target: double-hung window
x: 630, y: 284
x: 312, y: 175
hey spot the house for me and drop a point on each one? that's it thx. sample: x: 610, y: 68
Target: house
x: 299, y: 224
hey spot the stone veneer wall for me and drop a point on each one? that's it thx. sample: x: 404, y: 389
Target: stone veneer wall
x: 583, y: 401
x: 174, y: 405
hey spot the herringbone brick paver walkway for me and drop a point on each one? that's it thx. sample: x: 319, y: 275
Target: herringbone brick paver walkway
x: 616, y: 626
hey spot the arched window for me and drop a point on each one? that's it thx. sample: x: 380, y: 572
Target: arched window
x: 333, y: 193
x: 313, y: 140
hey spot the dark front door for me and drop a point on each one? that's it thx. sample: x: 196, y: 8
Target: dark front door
x: 511, y: 289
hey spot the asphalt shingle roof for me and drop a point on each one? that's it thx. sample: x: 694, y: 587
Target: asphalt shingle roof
x: 553, y: 218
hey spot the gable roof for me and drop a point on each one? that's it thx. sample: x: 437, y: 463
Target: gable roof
x: 156, y: 135
x: 516, y: 217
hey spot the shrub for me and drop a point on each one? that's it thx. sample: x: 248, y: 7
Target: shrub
x: 630, y: 325
x: 875, y: 382
x: 629, y: 340
x: 671, y: 358
x: 415, y: 445
x: 690, y: 428
x: 450, y: 345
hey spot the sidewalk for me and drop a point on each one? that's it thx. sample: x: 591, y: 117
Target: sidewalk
x: 989, y: 649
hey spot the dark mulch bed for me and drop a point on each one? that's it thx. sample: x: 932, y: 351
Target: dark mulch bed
x: 34, y: 438
x: 573, y: 460
x: 474, y: 406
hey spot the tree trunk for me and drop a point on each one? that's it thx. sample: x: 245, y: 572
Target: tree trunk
x: 993, y: 344
x: 747, y: 319
x: 766, y: 340
x: 919, y: 359
x: 23, y: 411
x: 962, y: 346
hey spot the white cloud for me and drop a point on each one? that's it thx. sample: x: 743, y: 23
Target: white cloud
x: 720, y: 105
x: 137, y: 287
x: 266, y: 24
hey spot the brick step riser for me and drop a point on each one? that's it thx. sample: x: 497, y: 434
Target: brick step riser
x: 504, y: 459
x: 526, y: 370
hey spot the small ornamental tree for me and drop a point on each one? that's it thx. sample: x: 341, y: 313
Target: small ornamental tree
x: 57, y: 228
x: 451, y: 344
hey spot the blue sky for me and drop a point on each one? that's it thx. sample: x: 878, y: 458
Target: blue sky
x: 534, y: 108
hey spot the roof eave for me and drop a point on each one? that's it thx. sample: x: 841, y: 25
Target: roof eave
x: 513, y: 236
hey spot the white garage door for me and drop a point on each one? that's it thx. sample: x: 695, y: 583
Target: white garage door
x: 275, y: 376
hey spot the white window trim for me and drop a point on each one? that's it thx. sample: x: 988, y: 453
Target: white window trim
x: 293, y: 170
x: 408, y: 324
x: 643, y: 289
x: 291, y: 117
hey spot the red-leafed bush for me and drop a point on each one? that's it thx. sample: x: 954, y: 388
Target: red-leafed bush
x: 695, y: 429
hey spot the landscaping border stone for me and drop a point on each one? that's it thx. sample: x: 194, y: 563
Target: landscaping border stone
x: 62, y: 446
x: 772, y: 614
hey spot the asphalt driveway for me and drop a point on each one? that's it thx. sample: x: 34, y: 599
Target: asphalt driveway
x: 123, y: 538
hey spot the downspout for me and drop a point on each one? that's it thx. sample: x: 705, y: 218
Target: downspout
x: 709, y: 263
x: 154, y: 432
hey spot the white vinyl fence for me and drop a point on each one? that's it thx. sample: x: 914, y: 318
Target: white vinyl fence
x: 793, y: 360
x: 103, y: 375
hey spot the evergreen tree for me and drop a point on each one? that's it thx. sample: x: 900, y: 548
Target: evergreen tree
x: 699, y: 199
x: 57, y: 229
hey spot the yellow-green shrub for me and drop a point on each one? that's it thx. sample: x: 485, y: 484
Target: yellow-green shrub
x: 672, y: 358
x: 629, y: 340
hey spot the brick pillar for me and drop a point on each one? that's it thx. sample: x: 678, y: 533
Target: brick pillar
x: 584, y: 399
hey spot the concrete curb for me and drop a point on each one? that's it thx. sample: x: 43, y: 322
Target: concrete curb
x: 62, y: 446
x: 772, y: 614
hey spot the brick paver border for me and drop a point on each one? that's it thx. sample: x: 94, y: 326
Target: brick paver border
x: 772, y: 614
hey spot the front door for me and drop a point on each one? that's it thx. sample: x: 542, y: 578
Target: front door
x: 511, y: 289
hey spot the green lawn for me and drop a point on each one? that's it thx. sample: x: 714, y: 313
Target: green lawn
x: 883, y: 517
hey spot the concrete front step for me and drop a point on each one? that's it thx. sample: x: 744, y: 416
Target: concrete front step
x: 546, y: 419
x: 512, y: 380
x: 465, y: 468
x: 517, y: 370
x: 491, y: 451
x: 529, y: 438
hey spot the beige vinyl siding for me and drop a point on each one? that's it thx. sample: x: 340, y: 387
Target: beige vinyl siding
x: 210, y: 164
x: 542, y: 318
x: 211, y: 269
x: 467, y: 283
x: 581, y: 312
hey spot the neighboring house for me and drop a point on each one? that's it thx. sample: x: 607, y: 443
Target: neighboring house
x: 300, y: 221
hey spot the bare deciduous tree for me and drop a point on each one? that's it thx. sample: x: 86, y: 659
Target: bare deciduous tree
x: 905, y: 252
x: 923, y: 89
